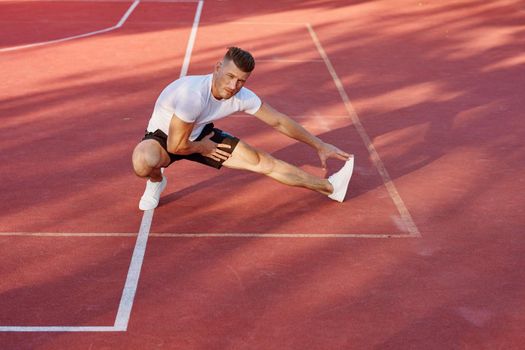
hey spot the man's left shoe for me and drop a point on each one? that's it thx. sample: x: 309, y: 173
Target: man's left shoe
x: 340, y: 180
x: 150, y: 198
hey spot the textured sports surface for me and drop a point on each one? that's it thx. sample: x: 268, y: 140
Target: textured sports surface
x: 425, y: 253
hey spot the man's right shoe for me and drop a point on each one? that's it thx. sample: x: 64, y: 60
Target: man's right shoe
x: 150, y: 198
x: 340, y: 180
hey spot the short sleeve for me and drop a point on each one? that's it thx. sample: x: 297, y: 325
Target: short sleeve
x: 187, y: 106
x: 250, y: 102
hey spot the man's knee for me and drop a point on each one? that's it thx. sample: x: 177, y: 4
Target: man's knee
x: 139, y: 164
x: 265, y: 163
x: 248, y: 158
x: 145, y: 158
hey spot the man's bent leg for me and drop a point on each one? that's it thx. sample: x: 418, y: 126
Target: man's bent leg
x: 148, y: 159
x: 248, y: 158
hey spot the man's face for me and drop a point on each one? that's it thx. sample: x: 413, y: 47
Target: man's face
x: 227, y: 79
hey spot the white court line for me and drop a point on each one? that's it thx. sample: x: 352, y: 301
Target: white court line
x: 278, y: 235
x: 311, y: 116
x: 130, y: 288
x: 132, y: 279
x: 205, y: 235
x: 161, y: 1
x: 143, y: 1
x: 191, y: 40
x: 58, y: 329
x: 267, y: 23
x: 279, y: 60
x: 68, y: 234
x: 389, y: 184
x: 114, y: 1
x: 118, y: 25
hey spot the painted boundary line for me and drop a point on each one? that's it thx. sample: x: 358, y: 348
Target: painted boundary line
x: 132, y: 279
x: 206, y: 235
x: 389, y: 184
x: 312, y: 116
x: 118, y: 25
x: 279, y: 60
x: 191, y: 40
x: 279, y: 235
x: 57, y: 329
x: 95, y: 1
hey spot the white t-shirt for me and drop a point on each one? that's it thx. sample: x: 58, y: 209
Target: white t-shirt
x: 191, y: 100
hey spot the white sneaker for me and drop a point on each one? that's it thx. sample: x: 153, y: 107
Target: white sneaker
x: 150, y: 198
x: 340, y: 181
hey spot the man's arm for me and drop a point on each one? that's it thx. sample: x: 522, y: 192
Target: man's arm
x: 179, y: 141
x: 291, y: 128
x: 287, y: 126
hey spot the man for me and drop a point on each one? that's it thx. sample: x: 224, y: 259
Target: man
x: 181, y: 128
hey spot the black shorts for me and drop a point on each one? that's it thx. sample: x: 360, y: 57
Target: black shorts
x: 219, y: 136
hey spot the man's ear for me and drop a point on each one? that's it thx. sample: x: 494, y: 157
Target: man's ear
x: 218, y: 66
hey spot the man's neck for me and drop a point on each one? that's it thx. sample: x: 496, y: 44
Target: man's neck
x: 213, y: 90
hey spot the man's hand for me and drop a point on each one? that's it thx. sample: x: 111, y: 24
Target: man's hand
x: 330, y: 151
x: 215, y: 150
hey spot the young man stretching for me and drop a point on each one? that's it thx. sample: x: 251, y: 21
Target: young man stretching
x: 181, y: 128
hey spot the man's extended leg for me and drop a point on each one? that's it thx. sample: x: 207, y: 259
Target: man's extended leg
x: 248, y: 158
x: 148, y: 159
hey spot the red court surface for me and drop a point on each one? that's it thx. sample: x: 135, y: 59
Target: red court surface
x: 425, y: 253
